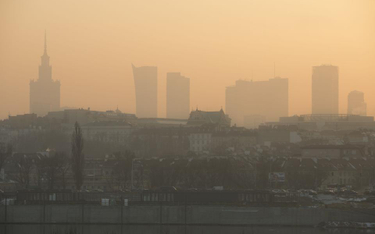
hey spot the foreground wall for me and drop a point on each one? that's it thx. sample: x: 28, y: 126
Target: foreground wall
x: 101, y: 219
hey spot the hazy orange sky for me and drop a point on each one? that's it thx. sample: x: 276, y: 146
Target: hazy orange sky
x: 93, y: 43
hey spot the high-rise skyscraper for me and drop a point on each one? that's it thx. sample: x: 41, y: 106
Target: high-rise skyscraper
x: 268, y: 99
x: 45, y: 92
x: 178, y: 96
x: 146, y: 91
x: 325, y: 89
x: 356, y: 103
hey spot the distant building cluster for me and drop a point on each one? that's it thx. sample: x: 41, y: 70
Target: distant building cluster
x: 248, y: 103
x: 146, y: 85
x: 326, y: 122
x: 325, y: 106
x: 257, y: 101
x: 253, y: 144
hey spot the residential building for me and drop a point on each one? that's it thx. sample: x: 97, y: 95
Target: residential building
x: 326, y: 122
x: 278, y: 134
x: 200, y: 141
x: 333, y: 151
x: 84, y: 116
x: 233, y: 142
x: 159, y: 141
x: 22, y: 121
x: 108, y: 131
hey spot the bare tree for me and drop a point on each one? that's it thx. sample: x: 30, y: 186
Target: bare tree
x: 121, y: 170
x: 78, y: 160
x: 23, y: 165
x: 52, y: 168
x: 65, y: 167
x: 5, y: 153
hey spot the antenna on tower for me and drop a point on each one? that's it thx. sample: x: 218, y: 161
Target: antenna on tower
x: 45, y: 41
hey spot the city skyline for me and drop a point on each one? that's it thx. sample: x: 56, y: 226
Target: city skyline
x: 325, y: 89
x: 270, y: 104
x: 200, y: 116
x: 93, y: 64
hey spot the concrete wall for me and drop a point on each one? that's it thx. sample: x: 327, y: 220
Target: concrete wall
x: 146, y: 229
x: 199, y: 215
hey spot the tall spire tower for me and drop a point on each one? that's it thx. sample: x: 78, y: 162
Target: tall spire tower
x: 45, y: 92
x: 45, y: 70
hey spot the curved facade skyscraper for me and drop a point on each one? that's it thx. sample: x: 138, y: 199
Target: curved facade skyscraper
x: 146, y: 91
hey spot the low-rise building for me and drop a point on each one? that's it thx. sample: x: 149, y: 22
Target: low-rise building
x: 200, y: 141
x: 333, y: 151
x: 108, y: 131
x: 238, y: 142
x: 326, y: 122
x: 85, y: 116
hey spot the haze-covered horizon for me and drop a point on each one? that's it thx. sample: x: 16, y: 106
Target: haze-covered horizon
x: 93, y: 44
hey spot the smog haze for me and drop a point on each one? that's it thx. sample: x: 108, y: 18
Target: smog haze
x: 92, y: 45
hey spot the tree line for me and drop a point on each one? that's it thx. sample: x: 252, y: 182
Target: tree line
x: 50, y: 168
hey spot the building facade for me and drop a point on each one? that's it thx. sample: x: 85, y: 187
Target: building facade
x: 325, y: 90
x: 146, y: 91
x: 178, y: 96
x: 333, y: 151
x: 253, y: 121
x: 356, y: 103
x: 215, y: 118
x: 44, y: 92
x: 257, y: 98
x: 326, y: 122
x: 108, y: 131
x: 200, y: 141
